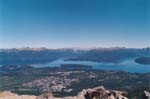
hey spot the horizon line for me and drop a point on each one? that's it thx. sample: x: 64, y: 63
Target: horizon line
x: 76, y: 47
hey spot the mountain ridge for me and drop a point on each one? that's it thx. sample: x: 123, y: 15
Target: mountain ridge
x: 44, y: 55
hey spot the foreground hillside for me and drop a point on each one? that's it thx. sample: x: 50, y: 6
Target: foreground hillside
x: 69, y: 82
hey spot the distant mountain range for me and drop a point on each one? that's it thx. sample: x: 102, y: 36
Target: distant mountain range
x: 44, y: 55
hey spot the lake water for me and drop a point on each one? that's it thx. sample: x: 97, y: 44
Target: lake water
x: 127, y: 65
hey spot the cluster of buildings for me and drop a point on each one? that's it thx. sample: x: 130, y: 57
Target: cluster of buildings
x: 53, y: 83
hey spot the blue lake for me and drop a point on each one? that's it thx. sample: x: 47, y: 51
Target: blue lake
x: 127, y: 65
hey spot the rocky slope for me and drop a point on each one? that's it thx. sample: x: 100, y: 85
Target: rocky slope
x: 9, y: 95
x: 91, y: 93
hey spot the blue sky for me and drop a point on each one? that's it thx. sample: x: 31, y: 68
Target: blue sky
x: 74, y: 23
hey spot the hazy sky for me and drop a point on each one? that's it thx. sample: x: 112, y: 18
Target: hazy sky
x: 74, y: 23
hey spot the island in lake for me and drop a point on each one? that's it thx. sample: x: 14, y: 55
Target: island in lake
x: 143, y: 60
